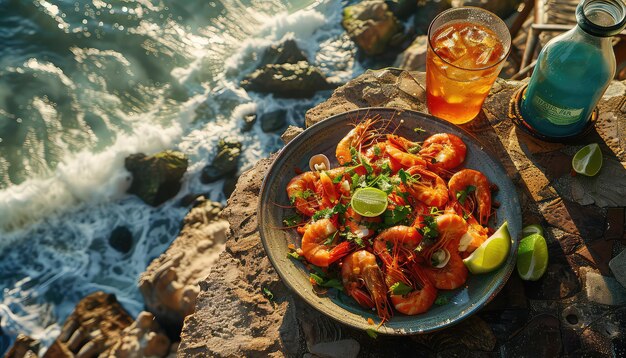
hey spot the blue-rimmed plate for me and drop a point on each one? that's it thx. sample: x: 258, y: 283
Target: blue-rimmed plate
x: 323, y: 138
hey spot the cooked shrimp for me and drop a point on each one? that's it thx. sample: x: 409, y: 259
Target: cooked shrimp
x: 403, y: 143
x: 451, y: 227
x: 475, y: 236
x: 357, y: 224
x: 314, y: 249
x: 405, y: 159
x: 358, y: 269
x: 327, y: 192
x: 403, y: 239
x: 452, y: 275
x: 357, y: 138
x: 301, y: 192
x: 421, y: 298
x: 447, y: 150
x: 481, y: 196
x: 429, y: 189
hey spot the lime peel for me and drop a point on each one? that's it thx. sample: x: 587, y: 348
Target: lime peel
x: 492, y: 253
x: 588, y: 160
x: 532, y: 229
x: 532, y: 257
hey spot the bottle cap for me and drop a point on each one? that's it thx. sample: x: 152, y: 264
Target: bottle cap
x: 614, y: 8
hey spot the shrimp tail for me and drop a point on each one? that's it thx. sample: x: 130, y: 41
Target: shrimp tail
x: 362, y: 298
x: 340, y: 251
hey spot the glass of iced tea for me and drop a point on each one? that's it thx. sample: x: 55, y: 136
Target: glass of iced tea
x: 467, y: 47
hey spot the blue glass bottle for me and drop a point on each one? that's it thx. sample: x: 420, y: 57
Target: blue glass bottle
x: 573, y: 70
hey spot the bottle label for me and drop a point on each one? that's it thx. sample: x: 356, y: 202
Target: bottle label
x: 556, y: 115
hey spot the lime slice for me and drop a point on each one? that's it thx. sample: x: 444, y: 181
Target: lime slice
x: 532, y: 257
x: 532, y: 229
x: 491, y: 253
x: 588, y: 160
x: 369, y: 202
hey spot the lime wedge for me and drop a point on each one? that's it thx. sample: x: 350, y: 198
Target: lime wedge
x: 532, y: 229
x: 532, y: 257
x: 369, y: 202
x: 491, y: 253
x: 588, y: 160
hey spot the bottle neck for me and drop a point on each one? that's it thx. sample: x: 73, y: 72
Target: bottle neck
x: 601, y: 18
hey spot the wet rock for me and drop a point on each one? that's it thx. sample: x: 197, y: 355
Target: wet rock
x: 225, y: 162
x: 289, y: 80
x: 502, y: 8
x: 290, y: 133
x: 540, y: 338
x: 248, y: 122
x: 603, y: 289
x: 92, y: 329
x: 285, y: 52
x: 156, y: 178
x: 618, y: 267
x: 121, y: 239
x: 402, y: 9
x: 273, y: 121
x: 143, y: 338
x: 371, y: 25
x: 414, y: 57
x: 23, y: 347
x: 426, y: 12
x: 170, y: 283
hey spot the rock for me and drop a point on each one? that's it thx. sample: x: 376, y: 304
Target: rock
x: 414, y: 57
x: 121, y: 239
x: 156, y: 178
x: 23, y: 347
x: 426, y: 12
x: 472, y: 335
x: 502, y: 8
x: 560, y: 281
x: 371, y: 25
x: 170, y: 283
x: 143, y: 338
x: 402, y: 9
x: 248, y: 122
x: 290, y: 133
x: 615, y: 224
x: 345, y: 348
x: 273, y: 121
x: 540, y: 338
x: 603, y: 289
x: 229, y: 185
x: 289, y: 80
x: 285, y: 52
x: 92, y: 329
x: 225, y: 162
x: 618, y: 267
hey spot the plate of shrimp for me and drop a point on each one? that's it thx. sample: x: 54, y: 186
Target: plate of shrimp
x: 401, y: 271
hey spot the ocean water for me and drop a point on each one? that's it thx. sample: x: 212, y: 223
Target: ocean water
x: 83, y: 84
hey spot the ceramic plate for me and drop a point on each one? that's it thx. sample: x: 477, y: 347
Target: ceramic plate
x: 323, y: 138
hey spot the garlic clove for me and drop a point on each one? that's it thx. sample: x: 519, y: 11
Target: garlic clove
x: 440, y: 258
x: 319, y: 162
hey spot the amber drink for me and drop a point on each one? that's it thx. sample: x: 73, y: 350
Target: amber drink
x: 466, y: 50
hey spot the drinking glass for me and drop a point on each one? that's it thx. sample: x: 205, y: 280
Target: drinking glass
x: 467, y: 47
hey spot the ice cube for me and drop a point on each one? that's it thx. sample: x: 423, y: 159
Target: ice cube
x: 473, y: 35
x: 485, y: 57
x: 445, y: 34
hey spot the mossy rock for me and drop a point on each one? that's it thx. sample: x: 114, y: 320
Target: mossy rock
x: 156, y: 178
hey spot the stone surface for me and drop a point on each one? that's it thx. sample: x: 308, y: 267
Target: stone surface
x: 170, y: 283
x: 23, y: 347
x: 618, y: 267
x: 143, y: 338
x: 426, y: 12
x: 414, y: 57
x: 550, y: 317
x: 92, y: 329
x: 502, y: 8
x: 284, y: 52
x: 371, y: 25
x: 289, y: 80
x: 273, y: 121
x: 290, y: 133
x: 604, y: 290
x: 248, y: 122
x: 156, y: 178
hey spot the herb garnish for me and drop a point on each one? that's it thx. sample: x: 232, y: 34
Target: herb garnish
x: 461, y: 196
x: 400, y: 288
x: 292, y: 220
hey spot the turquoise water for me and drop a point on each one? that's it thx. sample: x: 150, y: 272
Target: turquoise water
x: 569, y: 81
x: 83, y: 84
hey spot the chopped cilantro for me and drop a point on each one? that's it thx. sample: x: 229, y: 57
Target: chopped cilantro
x: 377, y: 150
x: 430, y: 231
x: 294, y: 255
x: 385, y: 168
x: 352, y: 237
x: 372, y: 333
x: 337, y: 179
x: 419, y: 130
x: 400, y: 288
x: 397, y: 216
x: 441, y: 300
x: 292, y: 220
x: 330, y: 239
x: 268, y: 293
x: 329, y: 283
x: 461, y: 196
x: 414, y: 149
x: 403, y: 176
x: 323, y: 214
